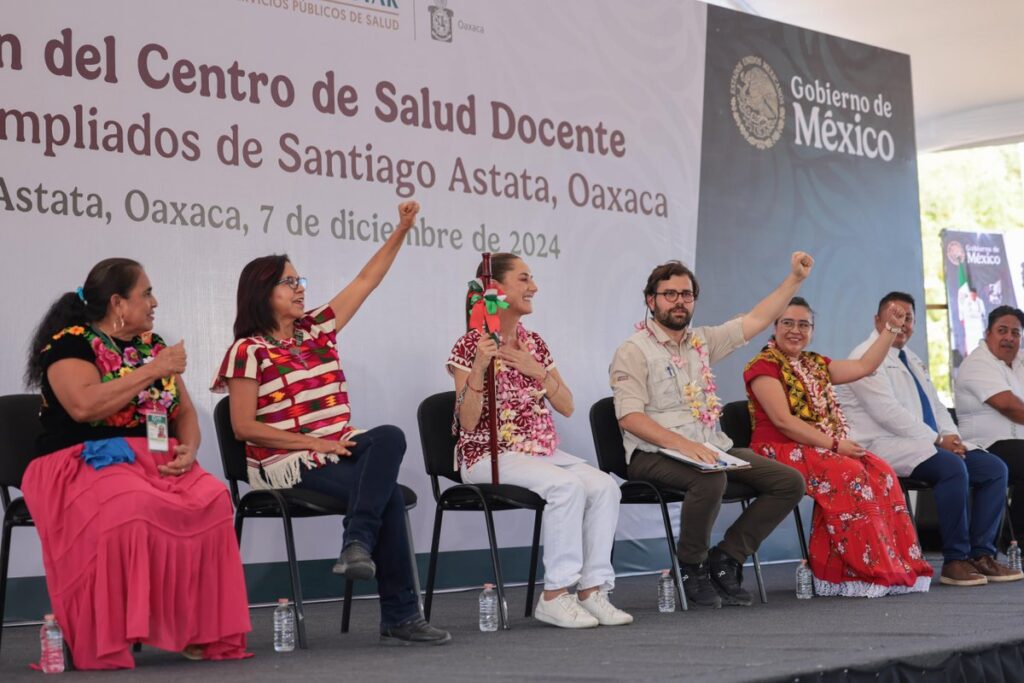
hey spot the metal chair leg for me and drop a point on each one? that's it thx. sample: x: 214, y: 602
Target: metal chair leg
x: 1009, y: 522
x: 415, y: 565
x: 346, y: 609
x: 5, y: 558
x: 432, y: 566
x: 239, y: 519
x: 677, y: 575
x: 499, y: 583
x: 293, y: 568
x: 910, y: 507
x: 757, y: 569
x: 534, y: 552
x: 800, y: 531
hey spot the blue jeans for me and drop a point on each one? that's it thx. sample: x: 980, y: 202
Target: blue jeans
x: 368, y: 483
x: 952, y: 479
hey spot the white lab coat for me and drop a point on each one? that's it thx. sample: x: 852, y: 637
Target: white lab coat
x: 884, y: 410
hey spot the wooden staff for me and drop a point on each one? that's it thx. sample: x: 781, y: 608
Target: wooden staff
x: 485, y: 280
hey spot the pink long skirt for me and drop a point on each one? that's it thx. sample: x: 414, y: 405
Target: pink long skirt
x: 131, y: 555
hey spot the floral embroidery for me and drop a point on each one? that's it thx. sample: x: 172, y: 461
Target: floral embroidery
x: 525, y: 423
x: 809, y: 389
x: 114, y: 363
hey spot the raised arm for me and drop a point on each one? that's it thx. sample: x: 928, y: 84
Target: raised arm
x: 346, y: 302
x: 844, y: 371
x: 771, y: 307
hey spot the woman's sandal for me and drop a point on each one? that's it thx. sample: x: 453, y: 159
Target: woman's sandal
x: 193, y: 652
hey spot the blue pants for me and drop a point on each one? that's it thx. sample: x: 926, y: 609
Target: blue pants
x: 952, y: 479
x: 368, y: 483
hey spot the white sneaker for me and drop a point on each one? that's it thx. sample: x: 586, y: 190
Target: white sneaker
x: 565, y: 612
x: 604, y: 611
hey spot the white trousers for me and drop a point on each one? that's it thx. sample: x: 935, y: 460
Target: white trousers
x: 580, y: 516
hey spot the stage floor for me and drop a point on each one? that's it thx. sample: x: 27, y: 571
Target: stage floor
x: 785, y: 637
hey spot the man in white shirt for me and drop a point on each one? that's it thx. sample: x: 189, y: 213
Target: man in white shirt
x: 895, y: 412
x: 989, y: 399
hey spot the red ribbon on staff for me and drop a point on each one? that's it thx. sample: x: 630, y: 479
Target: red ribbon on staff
x: 484, y: 304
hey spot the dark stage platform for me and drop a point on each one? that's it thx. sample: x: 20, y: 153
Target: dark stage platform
x: 781, y: 640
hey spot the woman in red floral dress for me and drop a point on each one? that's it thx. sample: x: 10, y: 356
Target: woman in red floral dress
x: 863, y: 542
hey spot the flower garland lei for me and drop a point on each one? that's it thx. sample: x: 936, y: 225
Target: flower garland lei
x: 540, y: 437
x: 821, y: 395
x: 705, y: 406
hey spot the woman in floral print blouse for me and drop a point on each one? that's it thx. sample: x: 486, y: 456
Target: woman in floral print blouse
x: 125, y: 520
x: 582, y: 502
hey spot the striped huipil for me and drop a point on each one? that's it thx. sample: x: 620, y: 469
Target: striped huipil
x: 302, y: 389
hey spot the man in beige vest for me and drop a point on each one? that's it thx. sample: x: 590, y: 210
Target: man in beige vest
x: 665, y: 399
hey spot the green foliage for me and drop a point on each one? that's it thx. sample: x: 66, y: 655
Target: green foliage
x: 976, y: 189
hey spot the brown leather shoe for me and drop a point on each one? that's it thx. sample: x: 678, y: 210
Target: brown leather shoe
x: 961, y: 573
x: 987, y: 566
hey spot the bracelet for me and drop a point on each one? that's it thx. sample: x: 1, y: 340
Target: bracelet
x: 894, y: 330
x: 472, y: 388
x: 835, y: 445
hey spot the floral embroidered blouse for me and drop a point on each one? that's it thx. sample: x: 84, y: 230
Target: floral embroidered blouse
x: 525, y: 424
x: 113, y: 358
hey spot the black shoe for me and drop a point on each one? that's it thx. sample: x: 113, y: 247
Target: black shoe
x: 727, y: 575
x: 355, y: 563
x: 415, y: 632
x: 697, y: 585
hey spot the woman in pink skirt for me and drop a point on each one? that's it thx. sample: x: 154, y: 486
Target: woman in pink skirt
x: 138, y: 542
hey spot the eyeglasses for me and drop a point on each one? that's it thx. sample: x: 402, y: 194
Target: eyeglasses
x: 294, y: 282
x: 802, y: 325
x: 673, y: 295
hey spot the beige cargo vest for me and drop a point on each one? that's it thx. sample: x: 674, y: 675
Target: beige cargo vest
x: 666, y: 390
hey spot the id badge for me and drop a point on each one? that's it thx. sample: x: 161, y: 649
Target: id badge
x: 157, y: 431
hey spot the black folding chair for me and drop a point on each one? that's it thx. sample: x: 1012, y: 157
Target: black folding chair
x: 435, y: 423
x: 611, y: 458
x: 19, y: 429
x: 735, y: 422
x: 286, y: 504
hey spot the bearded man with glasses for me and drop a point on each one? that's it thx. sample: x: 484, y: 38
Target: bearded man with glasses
x: 665, y: 399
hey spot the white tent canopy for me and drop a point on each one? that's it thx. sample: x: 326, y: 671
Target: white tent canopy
x: 966, y: 58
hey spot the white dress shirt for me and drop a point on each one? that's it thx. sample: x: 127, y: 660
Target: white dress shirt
x: 980, y: 377
x: 884, y: 410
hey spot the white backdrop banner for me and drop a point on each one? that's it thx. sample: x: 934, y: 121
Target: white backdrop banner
x: 195, y: 136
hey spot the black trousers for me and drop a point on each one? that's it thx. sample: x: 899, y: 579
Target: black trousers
x: 1011, y: 451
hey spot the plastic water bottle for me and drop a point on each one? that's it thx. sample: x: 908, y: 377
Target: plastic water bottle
x: 284, y: 626
x: 51, y: 645
x: 804, y: 581
x: 666, y: 592
x: 488, y: 608
x: 1013, y: 556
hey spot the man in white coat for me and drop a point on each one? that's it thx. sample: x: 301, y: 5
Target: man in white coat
x: 896, y: 413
